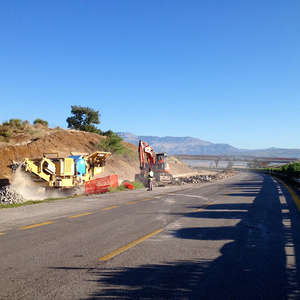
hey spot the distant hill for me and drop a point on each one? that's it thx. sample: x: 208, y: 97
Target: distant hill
x: 189, y: 145
x: 274, y: 152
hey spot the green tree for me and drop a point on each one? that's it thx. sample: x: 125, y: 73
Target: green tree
x: 84, y: 118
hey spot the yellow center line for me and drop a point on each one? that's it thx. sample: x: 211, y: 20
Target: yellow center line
x: 146, y: 199
x: 110, y: 207
x: 203, y: 207
x: 128, y: 246
x: 131, y: 202
x: 2, y: 233
x: 35, y: 225
x: 198, y: 209
x: 80, y: 215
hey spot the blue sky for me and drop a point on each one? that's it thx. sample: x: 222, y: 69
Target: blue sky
x: 222, y: 71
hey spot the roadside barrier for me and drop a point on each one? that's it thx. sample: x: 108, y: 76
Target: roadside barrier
x: 286, y: 177
x: 101, y: 185
x: 128, y: 185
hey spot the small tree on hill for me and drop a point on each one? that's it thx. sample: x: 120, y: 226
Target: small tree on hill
x: 40, y: 121
x: 84, y: 119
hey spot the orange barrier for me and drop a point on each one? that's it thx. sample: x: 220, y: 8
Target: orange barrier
x: 101, y: 185
x: 128, y: 185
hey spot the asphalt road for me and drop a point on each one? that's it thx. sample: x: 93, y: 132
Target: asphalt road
x: 235, y: 239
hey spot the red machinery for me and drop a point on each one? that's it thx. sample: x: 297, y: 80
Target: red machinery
x: 147, y: 156
x: 157, y: 162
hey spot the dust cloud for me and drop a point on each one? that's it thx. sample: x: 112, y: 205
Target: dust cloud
x: 24, y: 185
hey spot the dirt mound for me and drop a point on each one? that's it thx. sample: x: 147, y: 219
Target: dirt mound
x: 178, y: 167
x: 60, y: 141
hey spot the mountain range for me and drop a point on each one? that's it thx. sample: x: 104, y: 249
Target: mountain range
x: 195, y: 146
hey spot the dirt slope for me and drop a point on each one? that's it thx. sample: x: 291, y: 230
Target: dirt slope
x: 60, y: 141
x: 64, y: 142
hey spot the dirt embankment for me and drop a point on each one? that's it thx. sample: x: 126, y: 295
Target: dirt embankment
x: 64, y: 142
x: 178, y: 168
x: 60, y: 141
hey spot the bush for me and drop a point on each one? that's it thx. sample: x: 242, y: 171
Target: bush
x: 40, y: 121
x: 5, y: 131
x: 108, y: 133
x: 116, y: 189
x: 16, y: 123
x: 26, y: 124
x: 291, y: 169
x: 138, y: 184
x: 14, y: 127
x: 112, y: 143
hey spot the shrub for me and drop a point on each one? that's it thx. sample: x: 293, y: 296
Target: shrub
x: 112, y: 143
x: 291, y: 169
x: 5, y: 131
x: 116, y: 189
x: 40, y: 121
x: 108, y: 133
x: 7, y: 128
x: 25, y: 124
x: 138, y: 184
x: 16, y: 123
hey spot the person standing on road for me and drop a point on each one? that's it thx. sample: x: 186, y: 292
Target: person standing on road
x: 150, y: 179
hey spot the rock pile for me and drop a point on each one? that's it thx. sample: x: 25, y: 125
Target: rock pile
x: 202, y: 178
x: 9, y: 196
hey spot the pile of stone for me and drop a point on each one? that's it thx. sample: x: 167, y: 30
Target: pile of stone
x: 9, y: 196
x: 202, y: 178
x: 194, y: 179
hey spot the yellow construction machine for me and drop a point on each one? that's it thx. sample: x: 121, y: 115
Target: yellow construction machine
x: 66, y: 172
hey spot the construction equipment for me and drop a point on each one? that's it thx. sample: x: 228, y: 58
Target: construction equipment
x: 157, y: 162
x: 66, y: 172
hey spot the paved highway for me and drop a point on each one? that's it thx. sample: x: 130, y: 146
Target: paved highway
x: 235, y: 239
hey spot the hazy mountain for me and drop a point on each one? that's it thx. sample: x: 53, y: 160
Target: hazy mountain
x: 189, y: 145
x: 274, y: 152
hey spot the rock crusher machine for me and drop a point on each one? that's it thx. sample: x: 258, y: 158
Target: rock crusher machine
x: 67, y: 172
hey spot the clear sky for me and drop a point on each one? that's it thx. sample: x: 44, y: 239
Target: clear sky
x: 222, y: 71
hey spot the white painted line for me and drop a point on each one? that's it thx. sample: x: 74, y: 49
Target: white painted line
x: 191, y: 196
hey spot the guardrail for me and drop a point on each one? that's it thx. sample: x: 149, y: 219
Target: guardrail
x: 287, y: 177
